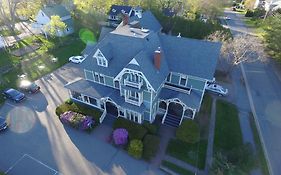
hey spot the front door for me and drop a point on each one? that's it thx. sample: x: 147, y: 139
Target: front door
x: 111, y: 109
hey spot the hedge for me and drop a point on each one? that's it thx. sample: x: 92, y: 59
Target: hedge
x: 135, y: 148
x: 150, y: 146
x: 79, y: 108
x: 188, y: 132
x: 136, y: 131
x: 151, y: 128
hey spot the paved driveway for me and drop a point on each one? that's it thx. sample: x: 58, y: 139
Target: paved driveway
x: 37, y: 142
x: 264, y: 86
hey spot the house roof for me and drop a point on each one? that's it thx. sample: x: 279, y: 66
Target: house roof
x: 69, y: 23
x: 182, y: 55
x: 119, y: 9
x: 147, y: 21
x: 191, y: 100
x: 51, y: 10
x: 191, y: 56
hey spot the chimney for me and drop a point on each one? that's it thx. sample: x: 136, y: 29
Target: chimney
x: 157, y: 58
x: 125, y: 19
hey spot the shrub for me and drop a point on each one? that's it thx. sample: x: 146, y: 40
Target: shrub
x: 249, y: 13
x: 120, y: 136
x: 68, y: 101
x: 135, y: 148
x: 188, y: 132
x: 79, y: 108
x: 136, y: 131
x: 150, y: 146
x: 151, y: 128
x: 258, y: 13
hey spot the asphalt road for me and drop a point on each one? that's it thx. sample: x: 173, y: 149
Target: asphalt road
x: 264, y: 91
x: 37, y: 142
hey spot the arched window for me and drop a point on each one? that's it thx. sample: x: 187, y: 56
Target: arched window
x: 101, y: 60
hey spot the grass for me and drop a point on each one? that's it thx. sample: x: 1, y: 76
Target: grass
x: 260, y: 153
x: 176, y: 168
x: 194, y: 154
x: 7, y: 32
x: 256, y: 24
x: 228, y: 133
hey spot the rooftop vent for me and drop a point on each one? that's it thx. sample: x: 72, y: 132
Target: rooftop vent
x: 144, y: 30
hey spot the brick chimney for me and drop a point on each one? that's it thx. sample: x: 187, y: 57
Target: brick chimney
x: 157, y: 58
x: 125, y: 19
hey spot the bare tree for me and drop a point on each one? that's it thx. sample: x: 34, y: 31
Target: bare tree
x: 244, y: 48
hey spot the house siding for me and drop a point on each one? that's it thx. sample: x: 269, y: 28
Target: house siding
x: 108, y: 81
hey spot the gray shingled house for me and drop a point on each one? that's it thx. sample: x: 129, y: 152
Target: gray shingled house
x: 136, y: 72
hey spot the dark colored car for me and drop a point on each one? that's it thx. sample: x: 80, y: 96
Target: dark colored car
x: 14, y: 95
x: 29, y: 87
x: 3, y: 124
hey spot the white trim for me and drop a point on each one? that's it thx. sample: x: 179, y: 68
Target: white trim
x: 101, y: 59
x: 134, y: 61
x: 126, y: 70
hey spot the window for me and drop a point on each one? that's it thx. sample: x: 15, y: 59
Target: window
x: 93, y: 101
x: 183, y: 80
x: 96, y: 77
x: 101, y: 61
x: 76, y: 95
x: 133, y: 95
x: 169, y: 78
x: 116, y: 84
x: 42, y: 14
x: 67, y: 29
x: 101, y: 79
x: 121, y: 112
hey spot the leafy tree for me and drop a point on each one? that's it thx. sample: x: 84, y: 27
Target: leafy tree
x: 28, y: 8
x: 136, y: 148
x: 249, y: 4
x: 272, y: 35
x: 188, y: 132
x: 55, y: 26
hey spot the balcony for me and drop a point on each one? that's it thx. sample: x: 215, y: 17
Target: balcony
x: 133, y: 84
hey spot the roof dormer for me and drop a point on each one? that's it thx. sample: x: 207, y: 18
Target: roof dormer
x: 100, y: 58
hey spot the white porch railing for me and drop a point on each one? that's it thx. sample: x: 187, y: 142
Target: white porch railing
x: 133, y: 84
x: 103, y: 116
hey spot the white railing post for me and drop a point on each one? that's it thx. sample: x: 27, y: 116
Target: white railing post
x: 102, y: 116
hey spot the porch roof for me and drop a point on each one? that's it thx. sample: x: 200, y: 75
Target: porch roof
x: 191, y: 100
x: 99, y: 91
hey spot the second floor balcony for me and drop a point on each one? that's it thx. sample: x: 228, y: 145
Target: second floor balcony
x: 133, y: 83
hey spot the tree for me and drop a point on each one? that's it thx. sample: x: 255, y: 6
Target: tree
x: 273, y: 37
x: 135, y: 148
x: 28, y: 8
x: 56, y: 26
x: 249, y: 4
x: 244, y: 48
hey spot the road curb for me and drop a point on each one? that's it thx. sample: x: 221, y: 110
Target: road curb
x: 255, y: 118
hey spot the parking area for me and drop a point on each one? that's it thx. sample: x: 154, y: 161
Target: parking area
x: 38, y: 167
x: 37, y: 143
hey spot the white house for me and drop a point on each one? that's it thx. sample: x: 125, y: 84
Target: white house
x: 44, y: 16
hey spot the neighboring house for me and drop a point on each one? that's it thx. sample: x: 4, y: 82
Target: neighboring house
x: 136, y: 72
x: 44, y: 16
x: 116, y: 12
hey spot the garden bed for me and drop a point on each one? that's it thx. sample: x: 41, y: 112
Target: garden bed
x: 79, y: 108
x: 142, y: 141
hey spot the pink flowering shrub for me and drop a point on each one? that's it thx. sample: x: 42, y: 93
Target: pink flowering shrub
x: 77, y: 120
x: 120, y: 136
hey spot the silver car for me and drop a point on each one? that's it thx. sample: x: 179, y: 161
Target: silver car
x: 217, y: 89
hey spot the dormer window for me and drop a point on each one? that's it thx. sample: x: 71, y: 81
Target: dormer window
x: 101, y: 60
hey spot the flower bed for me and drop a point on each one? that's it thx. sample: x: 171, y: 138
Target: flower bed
x: 77, y: 120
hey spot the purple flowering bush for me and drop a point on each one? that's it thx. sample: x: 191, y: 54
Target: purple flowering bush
x: 77, y: 120
x: 120, y: 136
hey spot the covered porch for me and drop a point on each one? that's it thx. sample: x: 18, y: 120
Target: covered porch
x: 177, y: 106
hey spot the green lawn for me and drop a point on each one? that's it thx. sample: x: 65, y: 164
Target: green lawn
x: 260, y: 153
x: 227, y: 129
x: 176, y: 168
x: 256, y: 24
x: 194, y: 154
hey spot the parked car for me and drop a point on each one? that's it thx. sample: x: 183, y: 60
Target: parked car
x: 3, y: 124
x: 29, y: 86
x: 76, y: 59
x: 217, y: 89
x: 14, y: 95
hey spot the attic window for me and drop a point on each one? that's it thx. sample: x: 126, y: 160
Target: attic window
x: 123, y: 11
x: 101, y: 60
x: 113, y: 10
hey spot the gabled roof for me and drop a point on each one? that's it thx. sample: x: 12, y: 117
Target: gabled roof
x: 147, y: 21
x: 51, y: 10
x: 191, y: 56
x: 119, y: 9
x: 106, y: 50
